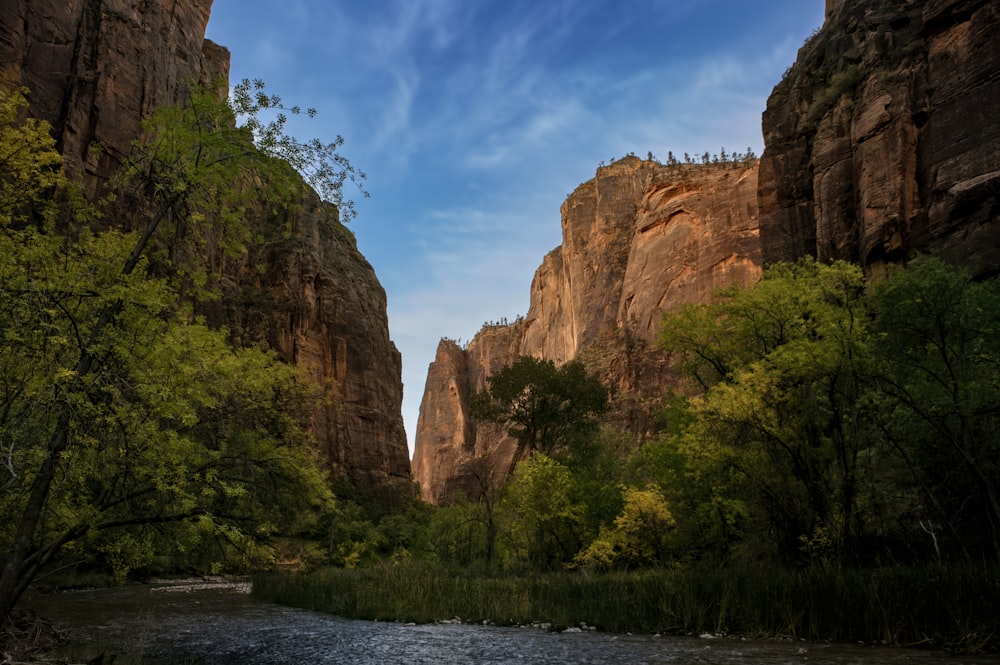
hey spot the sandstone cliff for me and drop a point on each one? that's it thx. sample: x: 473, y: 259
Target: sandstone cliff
x: 94, y: 69
x: 883, y: 139
x: 639, y: 238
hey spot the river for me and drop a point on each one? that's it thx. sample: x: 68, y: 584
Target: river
x: 222, y: 624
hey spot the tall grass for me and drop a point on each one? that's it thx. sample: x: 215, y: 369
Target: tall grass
x: 938, y: 606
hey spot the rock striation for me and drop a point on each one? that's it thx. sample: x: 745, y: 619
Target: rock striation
x: 94, y: 70
x: 638, y: 238
x: 883, y: 139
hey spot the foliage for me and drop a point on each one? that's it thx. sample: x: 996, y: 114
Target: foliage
x: 938, y: 345
x: 541, y: 405
x: 127, y: 426
x: 839, y: 423
x: 203, y: 166
x: 639, y: 536
x: 321, y: 164
x: 457, y: 535
x: 542, y: 525
x: 838, y: 437
x: 30, y: 167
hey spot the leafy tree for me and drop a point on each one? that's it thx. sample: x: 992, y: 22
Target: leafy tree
x: 938, y: 343
x: 29, y: 164
x: 202, y: 166
x: 844, y: 422
x: 542, y: 523
x: 595, y: 462
x: 540, y: 404
x: 456, y: 534
x: 640, y: 535
x: 779, y: 426
x: 118, y: 412
x: 708, y: 520
x: 320, y: 163
x: 353, y: 540
x: 487, y: 494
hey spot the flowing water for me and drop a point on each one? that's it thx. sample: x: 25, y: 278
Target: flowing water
x: 221, y: 623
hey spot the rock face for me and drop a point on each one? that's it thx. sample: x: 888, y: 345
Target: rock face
x: 883, y: 139
x: 326, y: 312
x: 638, y: 239
x: 94, y: 69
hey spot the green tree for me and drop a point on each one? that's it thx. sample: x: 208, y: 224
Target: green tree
x: 639, y: 536
x: 541, y: 405
x: 117, y: 410
x: 542, y: 524
x: 203, y: 166
x: 29, y: 164
x: 779, y: 425
x: 709, y: 520
x: 938, y: 342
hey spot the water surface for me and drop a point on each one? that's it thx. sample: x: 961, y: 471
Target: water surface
x: 199, y: 623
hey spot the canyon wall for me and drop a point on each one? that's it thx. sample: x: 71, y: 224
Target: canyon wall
x: 883, y: 139
x: 638, y: 238
x: 94, y: 69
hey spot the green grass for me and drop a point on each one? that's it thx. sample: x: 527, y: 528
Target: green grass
x: 935, y: 606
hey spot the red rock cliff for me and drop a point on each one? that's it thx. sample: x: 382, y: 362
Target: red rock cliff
x: 94, y: 69
x: 883, y: 139
x: 638, y: 239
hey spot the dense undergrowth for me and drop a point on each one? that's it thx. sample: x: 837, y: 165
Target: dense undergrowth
x: 935, y: 606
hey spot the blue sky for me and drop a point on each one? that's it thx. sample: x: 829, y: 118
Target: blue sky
x: 474, y: 119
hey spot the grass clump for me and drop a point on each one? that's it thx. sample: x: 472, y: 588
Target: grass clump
x: 935, y: 606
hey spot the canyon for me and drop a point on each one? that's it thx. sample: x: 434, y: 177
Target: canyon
x: 639, y: 238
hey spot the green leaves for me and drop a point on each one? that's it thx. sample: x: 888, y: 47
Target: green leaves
x: 938, y: 344
x: 120, y: 413
x: 543, y: 523
x: 843, y: 418
x: 770, y: 427
x: 30, y: 167
x: 541, y: 404
x: 639, y: 536
x: 321, y: 164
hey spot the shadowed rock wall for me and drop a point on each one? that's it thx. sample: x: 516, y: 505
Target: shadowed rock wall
x: 94, y: 70
x: 883, y: 139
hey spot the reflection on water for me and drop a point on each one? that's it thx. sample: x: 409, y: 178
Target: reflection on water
x: 223, y: 624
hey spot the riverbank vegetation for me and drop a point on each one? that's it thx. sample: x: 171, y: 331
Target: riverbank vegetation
x: 830, y: 471
x: 131, y: 430
x: 937, y: 606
